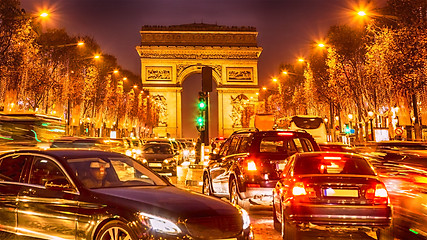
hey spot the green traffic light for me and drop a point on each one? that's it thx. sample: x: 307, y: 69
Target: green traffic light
x: 200, y: 121
x: 202, y: 105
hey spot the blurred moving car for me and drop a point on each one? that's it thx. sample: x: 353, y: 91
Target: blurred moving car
x: 79, y: 142
x: 136, y: 147
x: 105, y: 195
x: 120, y: 145
x: 336, y: 147
x: 160, y: 157
x: 249, y: 163
x: 330, y: 191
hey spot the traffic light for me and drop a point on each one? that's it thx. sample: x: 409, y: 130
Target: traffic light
x: 202, y: 107
x: 347, y: 129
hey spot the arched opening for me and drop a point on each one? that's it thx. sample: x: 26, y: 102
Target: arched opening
x: 191, y: 87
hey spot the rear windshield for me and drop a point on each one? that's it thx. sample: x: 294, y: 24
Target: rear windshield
x: 307, y: 123
x: 332, y: 165
x: 283, y: 145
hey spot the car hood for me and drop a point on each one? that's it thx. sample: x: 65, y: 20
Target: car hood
x: 167, y: 201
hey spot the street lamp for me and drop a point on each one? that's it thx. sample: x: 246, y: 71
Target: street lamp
x: 371, y: 115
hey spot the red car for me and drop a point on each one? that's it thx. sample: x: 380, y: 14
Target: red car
x: 330, y: 191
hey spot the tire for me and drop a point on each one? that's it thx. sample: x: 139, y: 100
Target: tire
x: 289, y: 231
x: 234, y: 192
x: 206, y: 189
x: 115, y: 230
x: 276, y: 224
x: 385, y: 234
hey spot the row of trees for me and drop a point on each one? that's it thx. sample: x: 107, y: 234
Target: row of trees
x: 49, y: 72
x: 362, y: 69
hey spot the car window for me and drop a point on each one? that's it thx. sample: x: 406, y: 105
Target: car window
x: 332, y: 165
x: 46, y: 172
x: 113, y: 172
x: 233, y: 145
x: 245, y: 145
x: 303, y: 145
x: 277, y: 145
x: 11, y: 167
x: 224, y: 148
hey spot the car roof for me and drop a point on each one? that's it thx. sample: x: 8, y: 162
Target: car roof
x: 328, y: 154
x: 66, y: 153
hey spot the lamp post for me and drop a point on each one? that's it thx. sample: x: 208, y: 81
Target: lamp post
x: 371, y: 115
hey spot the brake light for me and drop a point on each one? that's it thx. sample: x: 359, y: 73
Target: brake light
x: 379, y: 194
x: 332, y: 158
x: 285, y: 134
x: 299, y: 189
x: 251, y: 165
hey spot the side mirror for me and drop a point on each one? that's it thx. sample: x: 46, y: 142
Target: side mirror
x: 214, y: 156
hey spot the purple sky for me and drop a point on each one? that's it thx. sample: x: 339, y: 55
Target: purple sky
x: 286, y: 27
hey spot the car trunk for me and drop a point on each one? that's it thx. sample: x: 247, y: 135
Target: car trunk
x: 338, y: 189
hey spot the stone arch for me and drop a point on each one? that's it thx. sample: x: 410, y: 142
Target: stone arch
x: 169, y: 54
x: 191, y: 69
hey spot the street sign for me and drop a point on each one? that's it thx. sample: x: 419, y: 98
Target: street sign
x: 398, y: 131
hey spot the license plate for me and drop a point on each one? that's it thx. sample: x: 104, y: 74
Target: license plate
x: 154, y: 164
x: 331, y: 192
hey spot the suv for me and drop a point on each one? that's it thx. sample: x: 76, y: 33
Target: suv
x: 248, y: 165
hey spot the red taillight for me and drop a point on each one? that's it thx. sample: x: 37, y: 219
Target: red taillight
x: 285, y: 134
x: 300, y: 189
x: 251, y: 165
x: 378, y: 194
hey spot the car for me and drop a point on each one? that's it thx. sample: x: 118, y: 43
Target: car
x: 79, y: 142
x: 160, y: 157
x: 177, y: 148
x: 92, y: 194
x: 336, y: 147
x: 331, y: 191
x: 249, y: 163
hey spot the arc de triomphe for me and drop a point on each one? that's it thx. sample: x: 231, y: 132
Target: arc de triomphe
x: 169, y: 54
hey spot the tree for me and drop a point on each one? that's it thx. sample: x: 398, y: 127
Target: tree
x: 346, y: 67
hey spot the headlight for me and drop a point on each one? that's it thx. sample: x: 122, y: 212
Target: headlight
x: 128, y: 153
x: 138, y: 151
x: 144, y: 160
x: 166, y: 161
x: 246, y: 219
x: 159, y: 224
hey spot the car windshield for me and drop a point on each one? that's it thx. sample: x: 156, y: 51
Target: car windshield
x: 157, y: 149
x: 113, y: 172
x: 332, y: 165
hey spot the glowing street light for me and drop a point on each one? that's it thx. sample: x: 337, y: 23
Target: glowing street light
x: 321, y: 45
x: 44, y: 14
x: 361, y: 13
x: 301, y: 60
x: 275, y: 80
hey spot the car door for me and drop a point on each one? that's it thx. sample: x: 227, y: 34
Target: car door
x: 48, y: 205
x: 217, y: 170
x: 12, y: 170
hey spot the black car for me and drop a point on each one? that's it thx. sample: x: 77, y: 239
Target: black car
x: 91, y: 194
x: 160, y: 157
x: 249, y: 163
x: 331, y: 191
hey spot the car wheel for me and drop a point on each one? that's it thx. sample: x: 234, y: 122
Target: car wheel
x: 276, y: 222
x: 206, y: 189
x: 234, y: 192
x: 289, y: 231
x: 115, y: 230
x: 385, y: 234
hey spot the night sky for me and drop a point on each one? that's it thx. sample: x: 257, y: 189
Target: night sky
x: 286, y: 27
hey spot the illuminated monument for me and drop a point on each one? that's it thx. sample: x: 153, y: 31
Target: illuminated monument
x: 169, y: 54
